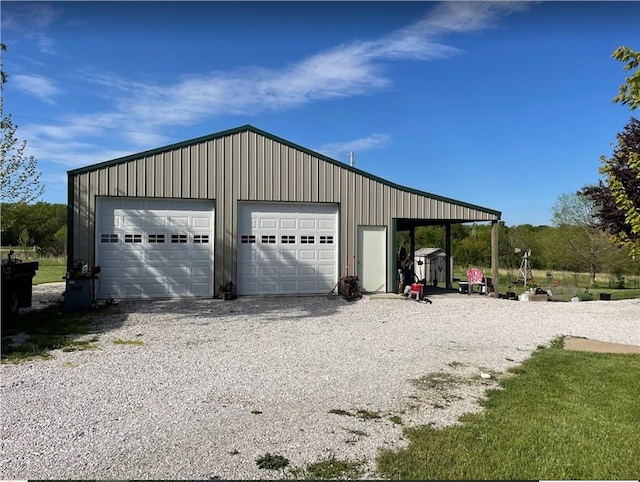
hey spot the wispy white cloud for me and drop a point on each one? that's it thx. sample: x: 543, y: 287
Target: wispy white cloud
x: 346, y: 70
x: 36, y: 85
x: 32, y: 20
x: 371, y: 142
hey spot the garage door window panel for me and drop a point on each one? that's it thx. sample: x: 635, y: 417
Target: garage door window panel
x: 179, y: 239
x: 201, y: 239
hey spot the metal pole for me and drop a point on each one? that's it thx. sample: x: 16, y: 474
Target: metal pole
x: 494, y: 255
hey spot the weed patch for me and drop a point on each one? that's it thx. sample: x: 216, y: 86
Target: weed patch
x: 338, y: 411
x: 333, y: 468
x: 367, y: 415
x: 45, y: 330
x: 272, y: 462
x: 120, y: 341
x: 396, y: 419
x: 439, y: 381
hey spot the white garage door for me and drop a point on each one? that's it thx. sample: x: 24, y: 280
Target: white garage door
x: 286, y: 248
x: 154, y: 248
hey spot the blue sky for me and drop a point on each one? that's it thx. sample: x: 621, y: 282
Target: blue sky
x: 502, y: 104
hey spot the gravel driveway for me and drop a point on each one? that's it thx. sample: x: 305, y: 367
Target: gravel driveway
x: 217, y: 384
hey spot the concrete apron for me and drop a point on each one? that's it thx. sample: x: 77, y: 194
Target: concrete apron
x: 584, y: 344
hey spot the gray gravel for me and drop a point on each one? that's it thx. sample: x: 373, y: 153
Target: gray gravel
x: 217, y: 384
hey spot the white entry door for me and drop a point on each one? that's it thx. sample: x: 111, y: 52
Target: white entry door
x: 372, y: 255
x: 154, y: 248
x: 287, y: 248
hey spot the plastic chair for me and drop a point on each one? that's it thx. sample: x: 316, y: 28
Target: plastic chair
x: 475, y: 276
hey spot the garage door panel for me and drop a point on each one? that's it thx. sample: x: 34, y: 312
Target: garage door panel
x: 178, y: 222
x: 268, y: 255
x: 289, y: 286
x: 182, y: 271
x: 199, y: 223
x: 179, y: 255
x: 327, y: 270
x: 325, y: 254
x: 308, y: 286
x: 200, y: 272
x: 307, y: 270
x: 288, y: 224
x: 154, y: 222
x: 289, y: 271
x: 201, y: 255
x: 248, y: 272
x: 111, y: 254
x: 327, y: 224
x: 288, y: 255
x: 156, y: 288
x: 306, y: 255
x: 131, y: 272
x: 310, y: 224
x: 129, y: 255
x: 129, y: 221
x: 250, y: 285
x: 150, y: 247
x: 156, y: 257
x: 267, y: 270
x: 200, y: 288
x: 268, y: 286
x: 269, y: 223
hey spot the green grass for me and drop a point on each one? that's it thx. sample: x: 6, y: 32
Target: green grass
x: 569, y: 284
x: 120, y: 341
x: 50, y: 270
x: 564, y: 415
x: 47, y: 330
x: 332, y: 468
x: 272, y: 462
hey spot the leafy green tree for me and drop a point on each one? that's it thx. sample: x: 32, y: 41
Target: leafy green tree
x: 3, y: 75
x: 43, y: 222
x: 580, y: 242
x: 629, y: 93
x: 475, y: 249
x: 622, y: 171
x: 19, y: 176
x: 617, y: 195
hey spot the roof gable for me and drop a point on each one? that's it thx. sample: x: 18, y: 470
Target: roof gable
x: 250, y: 128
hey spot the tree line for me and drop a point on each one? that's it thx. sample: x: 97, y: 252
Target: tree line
x: 574, y: 248
x: 41, y: 225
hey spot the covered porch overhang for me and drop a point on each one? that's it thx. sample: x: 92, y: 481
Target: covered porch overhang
x: 410, y: 224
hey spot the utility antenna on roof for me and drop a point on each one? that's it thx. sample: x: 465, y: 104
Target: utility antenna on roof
x: 351, y: 161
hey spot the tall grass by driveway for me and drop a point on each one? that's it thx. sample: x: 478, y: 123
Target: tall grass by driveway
x: 565, y: 415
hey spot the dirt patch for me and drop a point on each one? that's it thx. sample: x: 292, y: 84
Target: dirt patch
x: 584, y: 344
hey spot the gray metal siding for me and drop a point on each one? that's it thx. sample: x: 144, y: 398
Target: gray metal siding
x: 248, y: 166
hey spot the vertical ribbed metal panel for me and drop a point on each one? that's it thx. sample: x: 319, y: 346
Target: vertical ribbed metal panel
x: 246, y: 165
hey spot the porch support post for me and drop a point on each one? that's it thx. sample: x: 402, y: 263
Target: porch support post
x: 447, y: 249
x: 494, y: 255
x: 412, y: 242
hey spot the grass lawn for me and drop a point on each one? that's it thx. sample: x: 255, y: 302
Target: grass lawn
x: 564, y: 415
x: 50, y: 270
